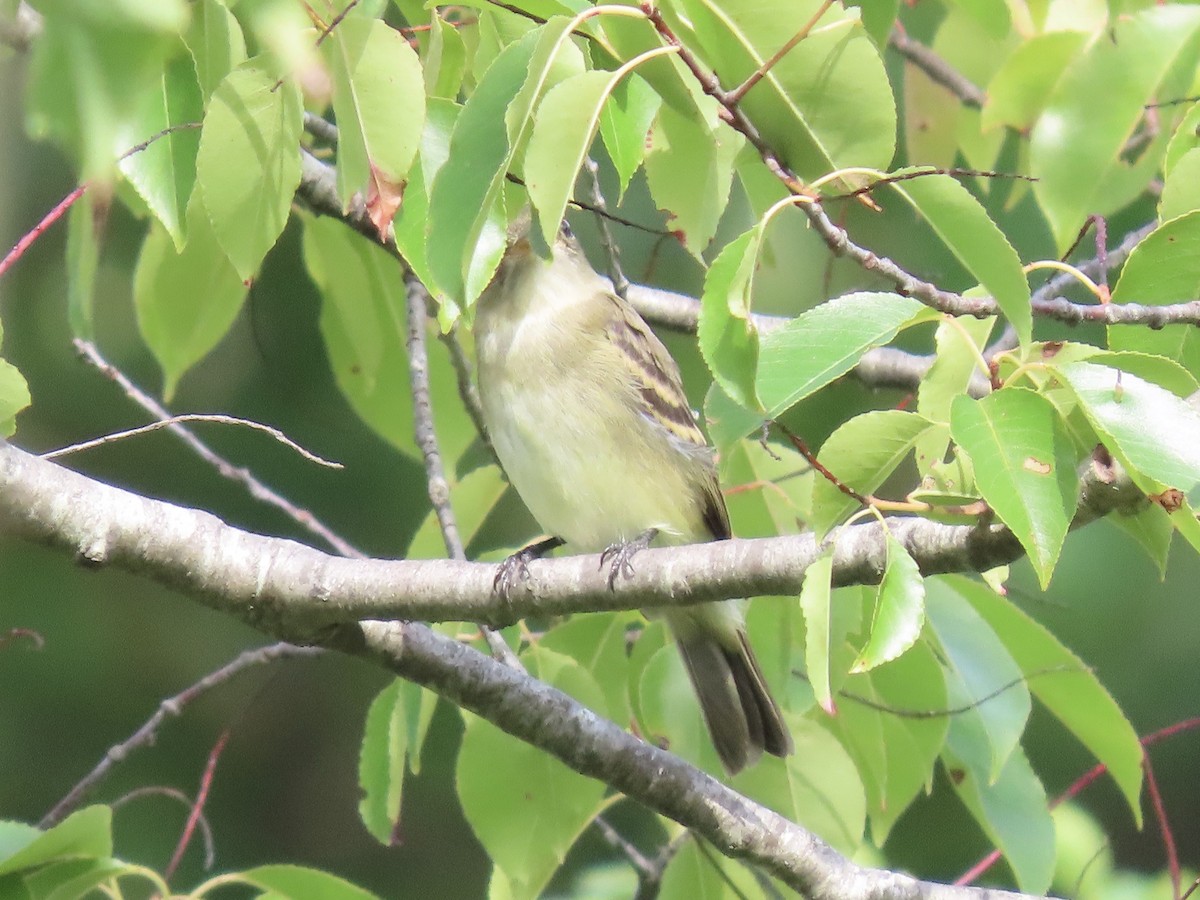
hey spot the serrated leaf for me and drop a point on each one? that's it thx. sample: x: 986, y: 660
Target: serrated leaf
x: 815, y: 595
x: 899, y: 610
x: 379, y: 101
x: 1066, y: 686
x: 726, y: 333
x: 1076, y: 144
x: 1180, y: 194
x: 826, y: 104
x: 689, y: 169
x: 862, y: 453
x: 826, y: 342
x: 1154, y: 434
x: 818, y: 786
x: 986, y: 687
x: 185, y: 302
x: 383, y: 760
x: 1012, y: 811
x: 248, y: 165
x: 215, y: 42
x: 445, y: 62
x: 164, y: 173
x: 625, y: 126
x: 959, y: 346
x: 501, y: 779
x: 1024, y: 464
x: 975, y: 240
x: 86, y: 832
x: 299, y: 881
x: 363, y: 326
x: 1026, y: 80
x: 885, y: 724
x: 1163, y: 268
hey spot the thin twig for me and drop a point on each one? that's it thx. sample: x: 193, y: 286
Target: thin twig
x: 172, y: 706
x: 1164, y: 827
x: 612, y: 255
x: 426, y: 436
x: 197, y: 811
x: 736, y: 95
x: 256, y: 488
x: 467, y: 391
x: 192, y: 417
x: 937, y: 69
x: 646, y: 869
x: 206, y: 834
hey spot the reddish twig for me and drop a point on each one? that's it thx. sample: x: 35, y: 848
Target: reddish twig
x: 197, y: 810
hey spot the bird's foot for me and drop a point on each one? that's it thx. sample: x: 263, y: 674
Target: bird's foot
x: 620, y: 555
x: 515, y: 569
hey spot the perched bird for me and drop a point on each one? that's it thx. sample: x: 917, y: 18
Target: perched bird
x: 585, y: 410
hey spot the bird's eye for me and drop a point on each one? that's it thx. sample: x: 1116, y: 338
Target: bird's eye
x: 565, y: 230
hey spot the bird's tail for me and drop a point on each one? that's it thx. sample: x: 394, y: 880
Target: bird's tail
x: 738, y: 708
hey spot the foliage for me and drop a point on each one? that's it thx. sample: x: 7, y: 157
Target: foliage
x: 439, y: 128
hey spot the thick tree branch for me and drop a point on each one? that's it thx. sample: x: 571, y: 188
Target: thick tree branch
x: 244, y: 574
x: 297, y: 592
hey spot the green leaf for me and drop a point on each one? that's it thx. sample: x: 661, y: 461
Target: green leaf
x: 387, y: 745
x: 625, y: 126
x: 727, y: 335
x: 1066, y: 686
x: 445, y: 62
x: 1180, y: 193
x: 975, y: 240
x: 1163, y: 268
x: 363, y: 325
x: 70, y: 879
x: 694, y: 874
x: 1024, y: 465
x: 93, y: 66
x: 886, y: 726
x: 1184, y: 139
x: 1154, y: 434
x: 598, y: 644
x: 899, y: 610
x: 689, y: 168
x: 216, y: 44
x: 564, y: 127
x: 815, y: 595
x: 185, y: 302
x: 298, y: 881
x: 164, y: 173
x: 1076, y: 145
x: 1152, y: 528
x: 1012, y: 811
x: 1021, y: 87
x: 466, y: 231
x: 826, y: 104
x: 862, y: 453
x: 502, y: 780
x: 818, y: 786
x: 83, y: 257
x: 826, y: 342
x: 85, y: 833
x: 959, y: 357
x: 13, y: 397
x: 983, y: 680
x: 249, y: 165
x: 379, y: 101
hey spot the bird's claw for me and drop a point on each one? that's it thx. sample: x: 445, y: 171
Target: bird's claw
x: 620, y: 556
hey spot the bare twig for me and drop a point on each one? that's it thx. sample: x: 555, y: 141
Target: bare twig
x: 426, y: 436
x: 937, y: 69
x: 612, y: 254
x: 197, y: 810
x: 256, y: 488
x: 192, y: 417
x: 172, y: 706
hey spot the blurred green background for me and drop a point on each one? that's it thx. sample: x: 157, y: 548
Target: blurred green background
x: 285, y: 788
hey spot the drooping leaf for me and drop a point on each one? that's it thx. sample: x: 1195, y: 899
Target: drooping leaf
x: 899, y: 610
x: 1154, y: 434
x: 625, y: 126
x: 379, y: 101
x: 1024, y: 465
x: 1019, y: 90
x: 215, y: 42
x: 185, y: 301
x: 815, y: 595
x: 975, y: 240
x: 248, y: 166
x: 727, y: 335
x: 388, y: 743
x: 300, y: 881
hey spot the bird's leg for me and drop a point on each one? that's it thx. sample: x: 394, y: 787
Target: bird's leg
x: 622, y: 554
x: 515, y: 568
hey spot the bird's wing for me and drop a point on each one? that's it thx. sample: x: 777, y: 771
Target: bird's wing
x: 659, y: 390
